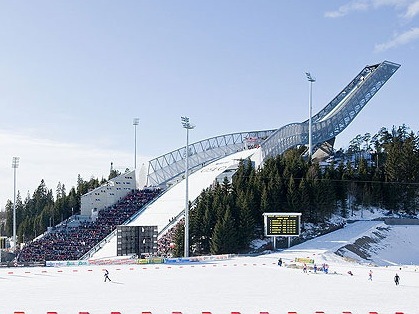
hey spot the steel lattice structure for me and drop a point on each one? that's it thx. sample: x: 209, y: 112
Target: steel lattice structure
x: 169, y: 166
x: 326, y: 125
x: 336, y: 116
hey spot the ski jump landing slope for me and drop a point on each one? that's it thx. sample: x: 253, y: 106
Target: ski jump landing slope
x: 166, y: 210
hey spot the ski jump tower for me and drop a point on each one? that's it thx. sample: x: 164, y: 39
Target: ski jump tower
x: 326, y: 125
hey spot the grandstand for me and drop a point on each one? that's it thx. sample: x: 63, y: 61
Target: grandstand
x: 210, y: 158
x: 71, y: 239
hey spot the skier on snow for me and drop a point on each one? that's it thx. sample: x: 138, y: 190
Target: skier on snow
x: 107, y: 275
x: 397, y: 279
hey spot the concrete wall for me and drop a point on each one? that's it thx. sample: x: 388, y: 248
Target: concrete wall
x: 108, y: 194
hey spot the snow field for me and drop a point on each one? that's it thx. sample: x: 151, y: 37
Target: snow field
x: 244, y: 284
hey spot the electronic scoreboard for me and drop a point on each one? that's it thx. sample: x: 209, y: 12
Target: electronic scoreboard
x: 282, y: 224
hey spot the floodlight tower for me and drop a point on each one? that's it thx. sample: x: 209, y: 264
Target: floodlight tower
x: 311, y: 80
x: 135, y: 122
x: 188, y: 126
x: 15, y: 165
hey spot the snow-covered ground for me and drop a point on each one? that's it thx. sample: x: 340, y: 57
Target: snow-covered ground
x: 243, y: 284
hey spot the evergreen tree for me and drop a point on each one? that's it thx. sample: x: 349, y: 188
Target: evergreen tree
x: 305, y: 206
x: 292, y: 196
x: 246, y: 226
x: 179, y: 239
x: 8, y: 231
x: 224, y: 237
x: 200, y: 223
x: 265, y: 205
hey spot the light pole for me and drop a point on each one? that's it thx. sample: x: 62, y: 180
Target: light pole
x: 188, y: 126
x: 15, y: 165
x: 135, y: 122
x: 311, y: 80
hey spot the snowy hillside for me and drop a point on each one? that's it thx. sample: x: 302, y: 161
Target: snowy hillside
x: 383, y: 245
x: 386, y: 245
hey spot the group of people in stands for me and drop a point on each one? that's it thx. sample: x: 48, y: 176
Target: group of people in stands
x: 71, y: 243
x: 165, y: 244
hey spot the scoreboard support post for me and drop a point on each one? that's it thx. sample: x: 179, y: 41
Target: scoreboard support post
x: 282, y: 225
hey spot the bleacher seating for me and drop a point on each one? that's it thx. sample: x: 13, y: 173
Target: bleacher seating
x: 71, y: 243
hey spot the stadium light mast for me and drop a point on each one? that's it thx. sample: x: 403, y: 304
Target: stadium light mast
x: 15, y: 165
x: 311, y: 80
x: 135, y: 122
x: 188, y: 126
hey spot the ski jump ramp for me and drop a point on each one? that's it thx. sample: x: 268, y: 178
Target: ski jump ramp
x: 169, y: 208
x: 326, y: 125
x: 209, y: 158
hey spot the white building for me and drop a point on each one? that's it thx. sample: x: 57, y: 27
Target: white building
x: 107, y: 195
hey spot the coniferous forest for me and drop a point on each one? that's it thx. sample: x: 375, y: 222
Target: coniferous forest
x: 374, y: 171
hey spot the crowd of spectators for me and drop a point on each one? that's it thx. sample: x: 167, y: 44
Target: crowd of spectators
x: 166, y: 243
x: 72, y: 242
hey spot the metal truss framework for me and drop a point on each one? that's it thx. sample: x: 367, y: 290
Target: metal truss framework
x: 336, y: 116
x: 326, y: 125
x: 169, y: 166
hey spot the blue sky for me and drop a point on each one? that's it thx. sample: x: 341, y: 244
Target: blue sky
x: 74, y: 74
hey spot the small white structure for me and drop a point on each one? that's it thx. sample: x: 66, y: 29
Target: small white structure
x: 107, y: 195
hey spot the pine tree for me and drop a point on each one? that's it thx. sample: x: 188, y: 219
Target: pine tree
x: 246, y: 222
x: 305, y: 209
x: 224, y: 238
x: 179, y: 240
x: 293, y: 196
x: 265, y: 206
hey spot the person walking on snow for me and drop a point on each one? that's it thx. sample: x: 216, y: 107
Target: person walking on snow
x: 370, y: 275
x: 107, y: 275
x: 397, y: 279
